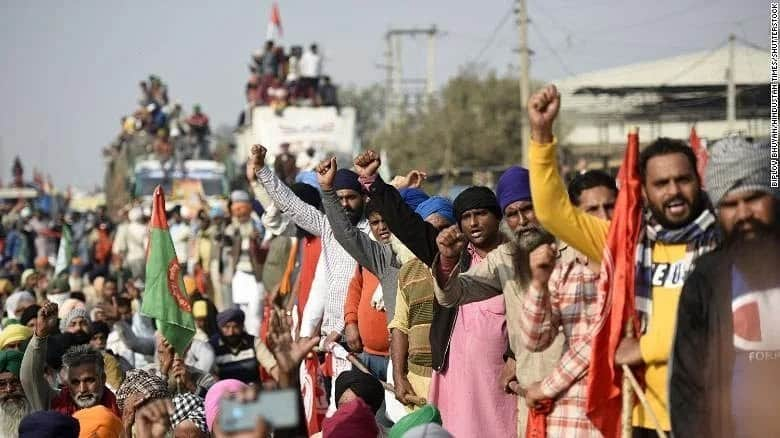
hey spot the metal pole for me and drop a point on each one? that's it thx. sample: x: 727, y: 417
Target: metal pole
x: 429, y: 73
x: 525, y: 81
x: 731, y: 89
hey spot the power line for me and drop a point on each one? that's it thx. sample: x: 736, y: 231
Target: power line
x: 693, y: 65
x: 493, y: 35
x: 547, y: 44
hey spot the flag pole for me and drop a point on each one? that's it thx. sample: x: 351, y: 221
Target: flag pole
x: 627, y: 390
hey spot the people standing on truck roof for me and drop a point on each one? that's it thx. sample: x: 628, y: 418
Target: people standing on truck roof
x: 311, y: 69
x: 199, y: 128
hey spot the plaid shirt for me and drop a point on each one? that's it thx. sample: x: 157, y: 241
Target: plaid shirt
x: 339, y: 265
x: 572, y: 304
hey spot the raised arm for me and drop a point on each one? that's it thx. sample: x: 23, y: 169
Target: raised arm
x: 418, y: 235
x: 301, y: 213
x: 31, y: 374
x: 370, y: 254
x: 453, y: 288
x: 584, y: 232
x: 273, y: 219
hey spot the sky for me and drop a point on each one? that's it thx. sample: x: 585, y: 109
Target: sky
x: 70, y: 69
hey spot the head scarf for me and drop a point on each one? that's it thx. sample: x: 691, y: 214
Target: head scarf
x: 25, y: 275
x: 11, y: 361
x: 16, y: 300
x: 239, y: 196
x: 308, y: 177
x: 199, y: 309
x: 430, y: 430
x: 347, y: 179
x: 5, y: 286
x: 14, y: 333
x: 234, y: 314
x: 100, y: 327
x: 736, y: 165
x: 353, y: 419
x: 363, y: 385
x: 147, y: 386
x: 29, y: 313
x: 427, y: 414
x: 476, y: 197
x: 438, y: 205
x: 48, y: 424
x: 513, y: 185
x: 78, y: 312
x: 215, y: 394
x: 98, y: 422
x: 188, y: 406
x: 68, y: 305
x: 307, y: 194
x: 413, y: 197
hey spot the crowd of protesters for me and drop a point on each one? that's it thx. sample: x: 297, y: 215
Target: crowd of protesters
x: 278, y: 79
x: 394, y: 313
x: 161, y: 130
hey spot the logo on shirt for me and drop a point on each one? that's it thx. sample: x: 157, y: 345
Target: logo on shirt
x: 669, y: 275
x: 756, y: 324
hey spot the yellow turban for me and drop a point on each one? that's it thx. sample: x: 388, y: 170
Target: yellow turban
x: 199, y: 309
x: 98, y: 422
x: 14, y: 333
x: 190, y: 285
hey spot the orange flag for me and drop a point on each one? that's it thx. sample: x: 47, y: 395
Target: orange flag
x: 616, y: 292
x: 700, y: 153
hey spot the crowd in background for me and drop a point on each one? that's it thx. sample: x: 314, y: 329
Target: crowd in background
x: 391, y: 312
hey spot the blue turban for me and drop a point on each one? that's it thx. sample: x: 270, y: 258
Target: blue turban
x: 413, y: 197
x: 347, y: 179
x: 514, y: 185
x: 308, y: 177
x: 233, y: 314
x: 44, y: 424
x: 438, y: 205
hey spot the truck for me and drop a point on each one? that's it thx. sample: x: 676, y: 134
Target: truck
x: 187, y: 183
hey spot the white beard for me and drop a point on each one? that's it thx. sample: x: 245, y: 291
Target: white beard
x: 11, y: 413
x: 83, y: 403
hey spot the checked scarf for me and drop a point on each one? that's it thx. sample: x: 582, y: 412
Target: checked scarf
x: 702, y: 236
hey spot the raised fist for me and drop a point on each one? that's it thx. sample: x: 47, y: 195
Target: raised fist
x: 542, y: 263
x: 46, y: 323
x: 367, y: 163
x: 257, y: 156
x: 543, y: 108
x: 326, y: 173
x: 451, y: 242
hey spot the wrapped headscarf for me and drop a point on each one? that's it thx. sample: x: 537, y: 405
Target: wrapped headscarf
x: 48, y: 424
x: 98, y: 422
x: 737, y: 165
x: 16, y: 300
x: 188, y: 406
x: 14, y: 333
x: 413, y: 196
x: 11, y: 361
x: 363, y: 385
x: 436, y: 205
x: 427, y: 414
x: 353, y: 419
x: 513, y: 185
x: 216, y: 393
x: 347, y: 179
x: 233, y: 314
x: 141, y: 386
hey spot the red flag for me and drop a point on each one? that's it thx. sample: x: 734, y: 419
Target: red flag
x: 700, y: 152
x: 616, y: 293
x: 275, y: 23
x: 315, y: 398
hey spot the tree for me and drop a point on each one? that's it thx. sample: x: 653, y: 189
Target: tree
x: 369, y: 107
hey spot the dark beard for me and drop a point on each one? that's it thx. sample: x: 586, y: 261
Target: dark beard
x: 78, y: 338
x: 232, y: 341
x: 696, y: 208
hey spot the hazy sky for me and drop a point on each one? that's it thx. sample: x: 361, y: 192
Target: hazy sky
x: 70, y: 68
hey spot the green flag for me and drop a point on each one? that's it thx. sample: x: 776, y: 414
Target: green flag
x: 65, y: 251
x: 164, y: 297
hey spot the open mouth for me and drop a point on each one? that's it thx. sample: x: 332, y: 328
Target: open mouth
x: 475, y: 234
x: 676, y: 207
x: 384, y: 235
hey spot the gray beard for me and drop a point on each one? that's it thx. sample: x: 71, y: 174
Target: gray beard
x: 12, y: 410
x: 83, y: 403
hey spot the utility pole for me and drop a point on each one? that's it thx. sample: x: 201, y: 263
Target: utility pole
x: 731, y: 89
x: 395, y: 80
x: 525, y: 80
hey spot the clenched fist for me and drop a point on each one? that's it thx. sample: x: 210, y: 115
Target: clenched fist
x: 451, y: 242
x: 543, y: 108
x: 326, y: 173
x: 46, y: 323
x: 542, y: 263
x: 257, y: 157
x: 367, y: 163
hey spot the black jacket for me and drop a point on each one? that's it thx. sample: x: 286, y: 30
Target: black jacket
x: 703, y: 357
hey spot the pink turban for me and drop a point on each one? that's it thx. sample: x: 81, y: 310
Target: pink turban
x: 216, y: 393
